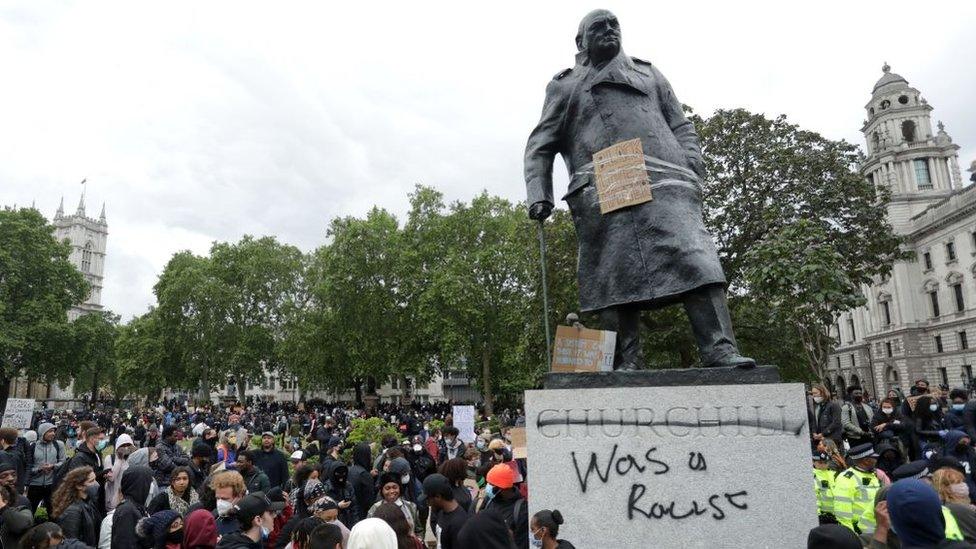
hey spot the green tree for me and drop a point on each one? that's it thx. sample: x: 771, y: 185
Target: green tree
x: 144, y: 365
x: 93, y: 355
x: 38, y: 284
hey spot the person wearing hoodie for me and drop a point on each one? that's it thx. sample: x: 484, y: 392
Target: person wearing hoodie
x: 361, y: 480
x: 337, y: 487
x: 958, y: 445
x: 44, y: 457
x: 199, y: 530
x: 164, y: 528
x: 486, y: 530
x: 912, y: 509
x: 832, y: 536
x: 124, y: 448
x: 254, y: 514
x: 271, y: 461
x: 889, y: 457
x: 955, y: 417
x: 409, y: 490
x: 136, y: 487
x: 372, y: 533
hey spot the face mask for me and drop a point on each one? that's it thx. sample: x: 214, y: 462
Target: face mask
x: 533, y: 541
x: 175, y: 537
x: 91, y: 492
x: 887, y: 411
x: 101, y: 444
x: 265, y: 533
x: 958, y: 407
x: 960, y: 490
x: 818, y: 399
x: 490, y: 492
x: 404, y: 479
x: 858, y: 399
x: 934, y: 407
x: 418, y: 448
x: 224, y: 507
x: 448, y: 440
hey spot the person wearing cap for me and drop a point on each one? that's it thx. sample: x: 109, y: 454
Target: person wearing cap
x: 823, y: 483
x: 43, y: 459
x: 502, y: 497
x: 391, y: 491
x: 171, y: 455
x: 918, y: 469
x: 447, y: 516
x: 271, y: 460
x: 254, y: 478
x: 255, y: 516
x: 854, y: 490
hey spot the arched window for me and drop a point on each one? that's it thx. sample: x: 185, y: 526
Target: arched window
x: 884, y: 300
x: 86, y: 258
x: 908, y: 131
x: 876, y: 140
x: 855, y: 381
x: 891, y: 377
x: 841, y: 385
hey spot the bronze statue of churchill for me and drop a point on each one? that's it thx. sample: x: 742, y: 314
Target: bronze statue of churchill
x: 647, y: 255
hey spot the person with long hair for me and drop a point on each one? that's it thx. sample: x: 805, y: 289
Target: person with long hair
x: 75, y: 505
x: 178, y: 496
x: 544, y: 529
x: 825, y: 417
x: 301, y: 534
x: 395, y: 518
x: 456, y: 471
x: 953, y: 490
x: 227, y: 449
x: 928, y: 423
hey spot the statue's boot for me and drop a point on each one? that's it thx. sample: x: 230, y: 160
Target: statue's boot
x: 625, y: 320
x: 708, y: 311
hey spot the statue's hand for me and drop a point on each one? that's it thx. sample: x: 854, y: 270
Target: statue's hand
x: 540, y: 211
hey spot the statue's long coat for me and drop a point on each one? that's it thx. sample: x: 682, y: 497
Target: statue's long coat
x: 647, y: 254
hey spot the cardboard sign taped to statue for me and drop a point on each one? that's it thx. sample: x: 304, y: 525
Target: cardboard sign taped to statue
x: 621, y: 178
x: 579, y: 349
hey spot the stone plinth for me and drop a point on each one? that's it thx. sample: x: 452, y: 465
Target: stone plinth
x: 677, y: 466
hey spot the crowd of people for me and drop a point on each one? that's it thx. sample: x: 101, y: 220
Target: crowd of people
x: 894, y: 472
x: 265, y: 475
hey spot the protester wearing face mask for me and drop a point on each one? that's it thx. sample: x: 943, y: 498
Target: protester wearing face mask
x: 929, y: 427
x: 855, y: 489
x: 544, y: 529
x: 825, y: 417
x: 955, y: 417
x: 228, y: 487
x: 136, y: 488
x: 75, y: 506
x: 502, y: 496
x: 954, y: 493
x: 337, y: 487
x: 254, y: 514
x: 451, y: 445
x: 89, y: 454
x: 856, y: 417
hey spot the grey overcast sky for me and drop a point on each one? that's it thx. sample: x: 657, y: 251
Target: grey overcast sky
x: 203, y: 121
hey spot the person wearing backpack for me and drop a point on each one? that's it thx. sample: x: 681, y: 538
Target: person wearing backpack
x: 44, y: 457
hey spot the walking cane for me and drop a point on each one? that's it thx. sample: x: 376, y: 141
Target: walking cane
x: 545, y: 291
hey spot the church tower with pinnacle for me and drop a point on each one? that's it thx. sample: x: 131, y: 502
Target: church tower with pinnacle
x: 919, y: 165
x: 87, y: 237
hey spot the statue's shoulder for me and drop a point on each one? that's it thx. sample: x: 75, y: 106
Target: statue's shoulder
x: 563, y: 74
x: 640, y: 61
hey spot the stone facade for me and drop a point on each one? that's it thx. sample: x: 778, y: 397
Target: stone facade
x: 919, y: 322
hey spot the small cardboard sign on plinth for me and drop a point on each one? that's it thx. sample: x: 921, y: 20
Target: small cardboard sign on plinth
x: 579, y: 349
x: 621, y: 178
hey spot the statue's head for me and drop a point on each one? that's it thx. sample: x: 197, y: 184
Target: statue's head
x: 599, y: 35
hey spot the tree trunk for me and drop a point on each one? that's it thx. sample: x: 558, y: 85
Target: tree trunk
x: 486, y: 380
x: 358, y: 385
x: 94, y: 390
x: 4, y: 392
x: 203, y: 395
x: 687, y: 359
x: 241, y: 387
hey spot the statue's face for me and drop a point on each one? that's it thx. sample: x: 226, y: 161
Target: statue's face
x: 602, y: 36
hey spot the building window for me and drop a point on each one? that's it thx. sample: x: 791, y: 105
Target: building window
x: 960, y: 302
x: 850, y: 326
x: 927, y: 257
x: 888, y: 348
x: 395, y: 383
x: 944, y: 374
x: 967, y: 372
x: 950, y: 248
x: 972, y: 237
x: 922, y: 173
x: 908, y: 130
x: 963, y: 341
x: 838, y: 363
x: 934, y: 299
x: 938, y: 344
x: 886, y: 313
x: 86, y: 258
x: 853, y: 362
